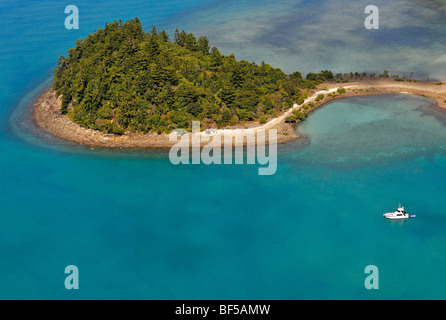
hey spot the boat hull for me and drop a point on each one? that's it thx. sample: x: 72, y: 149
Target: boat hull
x: 397, y: 218
x: 391, y: 216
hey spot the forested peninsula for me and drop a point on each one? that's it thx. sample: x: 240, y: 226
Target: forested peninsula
x: 122, y: 78
x: 122, y: 87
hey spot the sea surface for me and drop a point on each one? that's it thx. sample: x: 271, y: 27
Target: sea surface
x: 138, y: 227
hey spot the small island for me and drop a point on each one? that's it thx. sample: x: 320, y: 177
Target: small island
x: 122, y: 87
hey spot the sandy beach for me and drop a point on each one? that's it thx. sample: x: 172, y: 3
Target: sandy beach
x: 47, y: 114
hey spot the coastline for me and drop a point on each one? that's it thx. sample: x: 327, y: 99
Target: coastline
x: 46, y: 114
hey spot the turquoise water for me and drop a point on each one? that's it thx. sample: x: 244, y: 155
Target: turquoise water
x: 138, y: 227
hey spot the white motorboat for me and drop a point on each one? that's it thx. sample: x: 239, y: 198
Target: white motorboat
x: 399, y: 214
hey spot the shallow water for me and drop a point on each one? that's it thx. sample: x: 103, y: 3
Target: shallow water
x: 139, y: 227
x: 315, y: 35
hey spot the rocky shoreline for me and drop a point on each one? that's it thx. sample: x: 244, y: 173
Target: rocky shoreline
x: 47, y: 114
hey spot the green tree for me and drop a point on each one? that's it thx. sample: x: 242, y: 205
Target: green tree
x: 164, y: 36
x: 203, y: 44
x: 312, y: 76
x: 290, y: 119
x: 385, y: 74
x: 153, y: 46
x: 326, y: 75
x: 154, y: 31
x: 216, y: 58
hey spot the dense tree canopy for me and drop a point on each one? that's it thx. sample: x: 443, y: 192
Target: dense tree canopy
x: 122, y: 78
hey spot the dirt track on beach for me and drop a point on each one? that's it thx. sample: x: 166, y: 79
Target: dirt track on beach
x: 47, y: 115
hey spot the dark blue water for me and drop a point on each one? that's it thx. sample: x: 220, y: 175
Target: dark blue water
x: 138, y: 227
